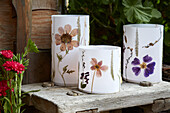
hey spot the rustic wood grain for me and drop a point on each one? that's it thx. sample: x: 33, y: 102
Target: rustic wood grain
x: 167, y: 104
x: 161, y: 105
x: 129, y: 96
x: 34, y: 21
x: 41, y: 28
x: 14, y: 3
x: 24, y: 23
x: 39, y: 68
x: 7, y: 25
x: 44, y: 4
x: 24, y: 26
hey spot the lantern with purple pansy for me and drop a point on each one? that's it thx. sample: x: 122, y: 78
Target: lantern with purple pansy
x: 142, y: 45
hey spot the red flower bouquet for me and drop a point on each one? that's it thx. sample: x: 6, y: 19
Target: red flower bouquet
x: 12, y: 68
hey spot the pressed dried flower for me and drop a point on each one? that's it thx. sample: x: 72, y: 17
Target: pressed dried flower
x: 148, y: 68
x: 64, y: 38
x: 98, y: 67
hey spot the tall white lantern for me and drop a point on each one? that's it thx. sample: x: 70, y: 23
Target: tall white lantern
x: 68, y: 33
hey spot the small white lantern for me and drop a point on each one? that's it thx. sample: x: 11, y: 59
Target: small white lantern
x: 68, y: 33
x: 99, y: 69
x: 142, y: 52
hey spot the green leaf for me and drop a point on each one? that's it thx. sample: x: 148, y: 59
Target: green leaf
x: 7, y: 100
x: 23, y: 110
x: 32, y: 91
x: 5, y: 107
x: 32, y: 46
x: 167, y: 39
x: 135, y: 12
x: 148, y: 4
x: 104, y: 37
x: 26, y: 62
x: 156, y: 13
x: 20, y: 105
x: 158, y: 1
x: 70, y: 71
x: 105, y: 2
x: 59, y: 57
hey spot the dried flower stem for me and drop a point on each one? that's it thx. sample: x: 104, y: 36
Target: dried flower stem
x: 137, y: 43
x: 152, y: 44
x: 127, y: 60
x: 92, y: 82
x: 62, y: 76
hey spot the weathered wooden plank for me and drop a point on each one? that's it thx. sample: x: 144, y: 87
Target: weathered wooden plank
x: 41, y: 28
x: 89, y: 111
x: 36, y: 25
x: 14, y: 2
x: 44, y: 4
x: 39, y: 68
x: 7, y: 25
x: 42, y: 43
x: 24, y: 23
x: 31, y: 109
x: 167, y: 104
x: 24, y: 26
x: 7, y: 43
x: 129, y: 96
x: 161, y: 105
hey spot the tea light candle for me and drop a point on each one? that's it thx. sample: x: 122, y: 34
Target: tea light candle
x: 99, y: 69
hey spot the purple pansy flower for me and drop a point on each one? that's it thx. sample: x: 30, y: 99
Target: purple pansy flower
x: 147, y: 65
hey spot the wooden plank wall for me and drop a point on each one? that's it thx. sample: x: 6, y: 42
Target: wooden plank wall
x: 33, y: 21
x: 8, y: 25
x: 41, y: 28
x: 40, y: 64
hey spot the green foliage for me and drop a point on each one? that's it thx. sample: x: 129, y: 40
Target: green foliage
x: 136, y: 12
x: 12, y: 102
x: 107, y: 17
x: 31, y: 46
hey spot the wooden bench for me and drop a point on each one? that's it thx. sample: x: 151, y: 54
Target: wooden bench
x: 56, y: 99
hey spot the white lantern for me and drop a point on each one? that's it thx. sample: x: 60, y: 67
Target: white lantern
x: 142, y: 52
x: 68, y: 33
x: 99, y: 69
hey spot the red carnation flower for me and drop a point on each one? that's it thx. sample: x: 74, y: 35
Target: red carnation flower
x: 3, y: 88
x: 7, y: 53
x: 14, y: 66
